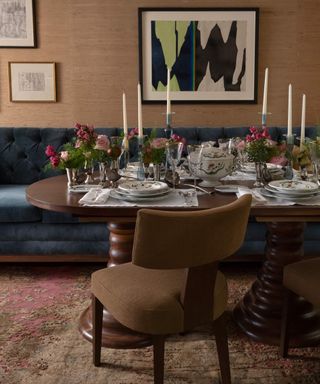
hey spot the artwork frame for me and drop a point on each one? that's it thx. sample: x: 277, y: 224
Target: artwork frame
x: 32, y: 82
x: 17, y: 27
x: 160, y: 43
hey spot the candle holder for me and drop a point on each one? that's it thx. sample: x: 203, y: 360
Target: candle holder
x: 264, y: 118
x: 140, y: 171
x: 289, y: 167
x: 168, y: 130
x: 125, y: 151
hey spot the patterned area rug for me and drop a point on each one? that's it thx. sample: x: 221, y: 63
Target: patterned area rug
x: 40, y: 343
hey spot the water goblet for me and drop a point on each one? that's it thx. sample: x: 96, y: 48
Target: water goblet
x: 115, y: 151
x: 174, y: 152
x: 194, y: 159
x: 314, y: 148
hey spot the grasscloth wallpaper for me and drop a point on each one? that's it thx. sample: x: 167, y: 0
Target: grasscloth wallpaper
x: 95, y: 46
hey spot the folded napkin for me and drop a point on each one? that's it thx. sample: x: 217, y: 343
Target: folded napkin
x: 95, y: 196
x: 258, y: 199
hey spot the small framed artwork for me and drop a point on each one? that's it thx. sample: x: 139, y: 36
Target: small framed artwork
x: 32, y: 82
x: 17, y: 24
x: 211, y: 54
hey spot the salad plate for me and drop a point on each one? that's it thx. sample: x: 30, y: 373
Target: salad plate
x: 291, y: 193
x: 298, y: 186
x: 143, y: 187
x: 125, y: 197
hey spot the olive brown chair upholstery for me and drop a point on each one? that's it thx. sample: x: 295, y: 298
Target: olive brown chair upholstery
x: 172, y: 284
x: 301, y: 278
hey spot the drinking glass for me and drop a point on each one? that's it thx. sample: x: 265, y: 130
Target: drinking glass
x: 194, y: 160
x: 115, y: 151
x: 173, y: 152
x: 314, y: 148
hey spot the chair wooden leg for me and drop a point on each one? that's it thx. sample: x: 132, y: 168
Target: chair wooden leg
x: 158, y: 358
x: 97, y: 313
x: 222, y: 348
x: 284, y: 339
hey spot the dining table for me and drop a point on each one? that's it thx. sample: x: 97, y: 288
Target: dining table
x: 258, y: 313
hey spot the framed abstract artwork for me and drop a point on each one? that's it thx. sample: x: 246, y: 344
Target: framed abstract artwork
x: 211, y: 53
x: 32, y: 82
x: 17, y: 24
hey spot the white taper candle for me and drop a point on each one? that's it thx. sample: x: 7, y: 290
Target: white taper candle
x: 303, y: 121
x: 140, y: 130
x: 168, y: 92
x: 289, y: 132
x: 265, y: 92
x: 124, y: 112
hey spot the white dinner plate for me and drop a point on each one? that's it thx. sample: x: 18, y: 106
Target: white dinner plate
x: 143, y: 196
x: 143, y: 187
x: 228, y: 188
x: 291, y: 193
x: 250, y: 167
x: 294, y: 185
x: 119, y: 196
x: 267, y: 193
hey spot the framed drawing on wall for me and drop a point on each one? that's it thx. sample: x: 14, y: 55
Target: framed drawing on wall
x: 17, y: 24
x: 32, y: 82
x: 211, y: 53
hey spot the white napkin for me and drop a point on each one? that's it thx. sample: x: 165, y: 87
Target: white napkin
x: 256, y: 196
x: 95, y: 196
x: 258, y: 199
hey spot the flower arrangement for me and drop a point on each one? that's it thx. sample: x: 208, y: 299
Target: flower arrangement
x: 69, y: 157
x: 259, y: 146
x: 154, y: 148
x: 76, y: 153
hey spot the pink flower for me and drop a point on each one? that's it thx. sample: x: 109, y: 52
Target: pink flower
x: 64, y: 155
x: 133, y: 132
x: 279, y: 160
x: 102, y: 143
x: 50, y: 151
x: 241, y: 145
x: 158, y: 143
x: 54, y: 160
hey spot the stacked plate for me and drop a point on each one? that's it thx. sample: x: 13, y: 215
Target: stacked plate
x: 291, y: 189
x: 275, y: 170
x: 141, y: 191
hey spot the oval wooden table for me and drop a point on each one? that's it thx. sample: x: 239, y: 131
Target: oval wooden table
x: 259, y: 312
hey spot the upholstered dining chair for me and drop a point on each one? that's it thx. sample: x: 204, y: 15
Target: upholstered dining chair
x: 301, y: 278
x: 173, y: 284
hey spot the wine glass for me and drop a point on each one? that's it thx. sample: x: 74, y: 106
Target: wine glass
x: 174, y: 152
x: 314, y: 149
x: 194, y: 160
x: 115, y: 151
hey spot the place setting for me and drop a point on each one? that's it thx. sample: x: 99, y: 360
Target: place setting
x: 140, y: 193
x: 297, y: 191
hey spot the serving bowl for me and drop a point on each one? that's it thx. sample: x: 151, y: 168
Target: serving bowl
x: 211, y: 164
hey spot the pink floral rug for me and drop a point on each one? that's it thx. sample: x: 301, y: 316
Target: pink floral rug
x: 40, y: 343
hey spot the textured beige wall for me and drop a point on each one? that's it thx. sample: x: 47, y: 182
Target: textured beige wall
x: 95, y: 46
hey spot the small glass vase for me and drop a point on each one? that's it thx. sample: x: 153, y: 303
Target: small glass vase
x: 260, y: 170
x: 156, y: 172
x: 72, y: 174
x: 103, y: 167
x: 89, y: 169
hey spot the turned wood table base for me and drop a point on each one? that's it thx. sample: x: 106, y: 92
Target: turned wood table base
x: 259, y: 313
x: 115, y: 335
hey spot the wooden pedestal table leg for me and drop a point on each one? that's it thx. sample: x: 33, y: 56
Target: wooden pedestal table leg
x: 259, y: 312
x: 115, y: 335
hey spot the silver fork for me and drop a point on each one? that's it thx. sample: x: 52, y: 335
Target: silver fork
x: 200, y: 189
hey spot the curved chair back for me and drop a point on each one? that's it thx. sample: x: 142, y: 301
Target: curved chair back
x: 169, y: 240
